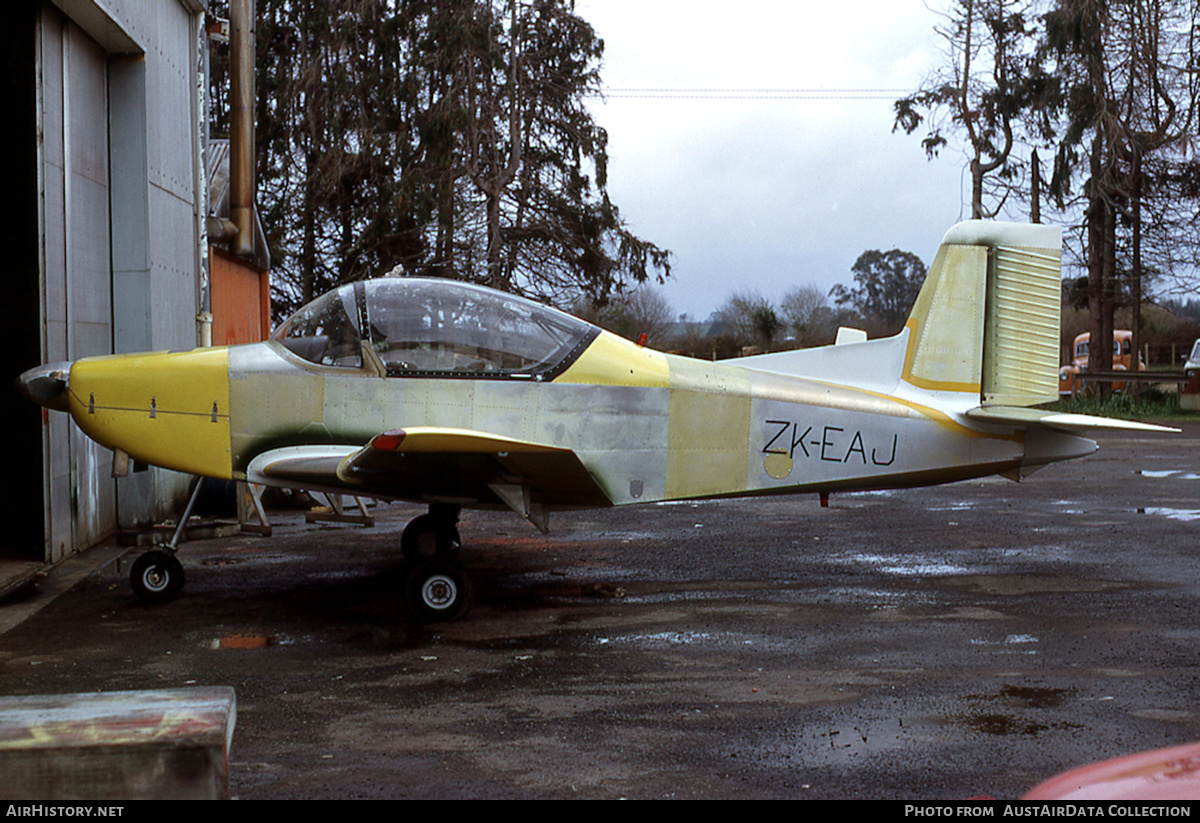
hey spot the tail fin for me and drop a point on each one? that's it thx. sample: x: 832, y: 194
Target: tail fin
x: 987, y: 319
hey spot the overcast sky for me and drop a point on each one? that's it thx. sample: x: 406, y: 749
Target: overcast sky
x: 763, y: 195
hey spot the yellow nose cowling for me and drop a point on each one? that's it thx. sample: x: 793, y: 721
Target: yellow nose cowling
x: 164, y: 409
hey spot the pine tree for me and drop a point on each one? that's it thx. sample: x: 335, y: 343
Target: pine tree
x: 443, y: 137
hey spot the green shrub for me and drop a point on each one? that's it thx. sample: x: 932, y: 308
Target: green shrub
x: 1149, y: 403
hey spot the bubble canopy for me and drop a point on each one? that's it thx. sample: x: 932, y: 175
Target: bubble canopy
x: 435, y: 328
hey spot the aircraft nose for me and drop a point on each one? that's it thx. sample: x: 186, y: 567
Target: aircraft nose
x: 47, y: 385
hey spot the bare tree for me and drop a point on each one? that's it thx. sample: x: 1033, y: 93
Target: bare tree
x: 983, y: 89
x: 641, y: 311
x: 807, y: 314
x: 750, y: 319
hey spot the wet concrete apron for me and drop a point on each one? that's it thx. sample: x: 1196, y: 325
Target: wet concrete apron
x: 930, y: 643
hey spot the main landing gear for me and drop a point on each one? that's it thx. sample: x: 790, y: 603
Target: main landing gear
x: 436, y: 587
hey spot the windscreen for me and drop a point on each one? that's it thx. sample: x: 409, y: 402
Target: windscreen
x: 325, y: 331
x: 440, y: 327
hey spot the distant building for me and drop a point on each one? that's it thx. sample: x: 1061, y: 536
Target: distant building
x: 105, y: 110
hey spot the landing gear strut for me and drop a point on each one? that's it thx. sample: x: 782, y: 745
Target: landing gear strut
x: 437, y: 588
x: 157, y: 575
x: 432, y: 535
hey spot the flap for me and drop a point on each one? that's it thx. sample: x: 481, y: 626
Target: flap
x: 436, y: 464
x: 463, y: 465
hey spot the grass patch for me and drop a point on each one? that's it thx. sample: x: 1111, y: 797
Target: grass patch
x: 1148, y: 404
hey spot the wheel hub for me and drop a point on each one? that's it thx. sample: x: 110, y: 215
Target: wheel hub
x: 439, y: 592
x: 155, y: 578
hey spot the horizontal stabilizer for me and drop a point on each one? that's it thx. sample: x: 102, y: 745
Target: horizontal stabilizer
x: 1018, y: 416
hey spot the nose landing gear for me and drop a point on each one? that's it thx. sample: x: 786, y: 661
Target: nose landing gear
x: 156, y: 576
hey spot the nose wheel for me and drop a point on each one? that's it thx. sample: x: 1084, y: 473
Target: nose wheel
x: 156, y: 576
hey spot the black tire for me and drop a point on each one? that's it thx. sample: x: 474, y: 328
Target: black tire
x: 427, y: 538
x: 437, y: 592
x: 156, y: 576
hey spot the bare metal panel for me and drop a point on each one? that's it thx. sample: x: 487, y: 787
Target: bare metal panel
x: 709, y: 427
x: 169, y: 99
x: 76, y: 267
x: 89, y: 303
x: 56, y: 432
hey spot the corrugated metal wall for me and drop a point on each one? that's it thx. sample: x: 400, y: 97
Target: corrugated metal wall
x: 77, y: 297
x: 117, y: 228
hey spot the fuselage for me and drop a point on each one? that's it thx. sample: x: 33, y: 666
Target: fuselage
x: 648, y: 426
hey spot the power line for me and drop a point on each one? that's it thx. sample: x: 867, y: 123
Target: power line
x: 755, y: 94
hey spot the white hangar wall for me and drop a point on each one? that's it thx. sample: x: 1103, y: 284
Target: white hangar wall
x: 119, y: 209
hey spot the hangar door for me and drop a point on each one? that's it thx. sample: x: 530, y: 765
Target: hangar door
x: 76, y: 299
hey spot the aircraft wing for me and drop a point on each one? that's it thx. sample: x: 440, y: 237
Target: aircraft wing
x: 1070, y: 423
x: 443, y: 464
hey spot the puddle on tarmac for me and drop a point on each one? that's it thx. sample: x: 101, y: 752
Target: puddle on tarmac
x: 1035, y: 698
x: 903, y: 565
x: 837, y: 742
x: 1003, y: 725
x: 658, y: 639
x: 1183, y: 515
x: 245, y: 641
x: 993, y: 721
x: 1175, y: 474
x: 952, y: 507
x: 1010, y: 640
x: 1013, y: 710
x: 223, y: 561
x: 607, y: 537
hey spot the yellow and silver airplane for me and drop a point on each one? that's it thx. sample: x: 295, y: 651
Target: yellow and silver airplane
x: 457, y: 396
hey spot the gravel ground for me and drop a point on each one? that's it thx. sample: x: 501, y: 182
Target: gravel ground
x: 942, y: 643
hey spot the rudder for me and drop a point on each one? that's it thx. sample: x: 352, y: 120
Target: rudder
x: 986, y: 321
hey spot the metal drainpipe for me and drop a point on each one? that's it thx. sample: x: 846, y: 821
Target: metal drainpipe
x: 241, y: 143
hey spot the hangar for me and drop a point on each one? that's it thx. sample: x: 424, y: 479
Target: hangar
x: 110, y: 169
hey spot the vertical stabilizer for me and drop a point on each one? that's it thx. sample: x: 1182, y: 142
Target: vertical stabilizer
x: 987, y: 319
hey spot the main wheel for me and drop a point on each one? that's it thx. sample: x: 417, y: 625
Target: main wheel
x: 156, y: 576
x: 437, y: 591
x: 429, y: 538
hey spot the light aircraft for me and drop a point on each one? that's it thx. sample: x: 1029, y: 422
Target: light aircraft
x: 457, y: 396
